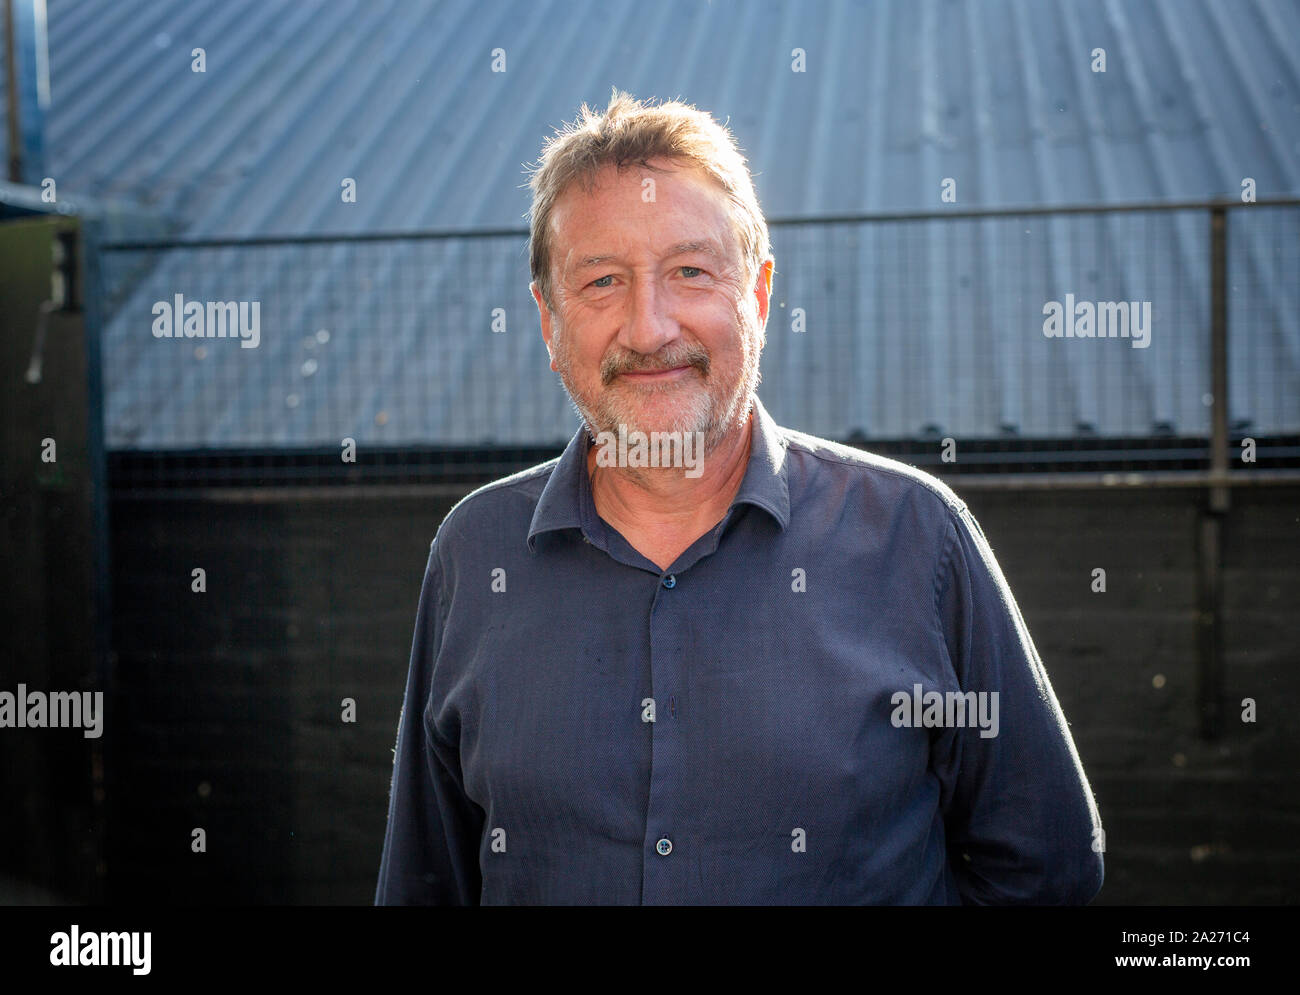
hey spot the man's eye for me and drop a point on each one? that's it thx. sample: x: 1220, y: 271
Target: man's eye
x: 691, y: 271
x: 600, y: 282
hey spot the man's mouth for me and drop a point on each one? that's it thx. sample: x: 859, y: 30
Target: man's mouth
x: 656, y: 376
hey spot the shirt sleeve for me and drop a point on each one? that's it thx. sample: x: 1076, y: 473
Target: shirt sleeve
x: 431, y: 845
x: 1022, y: 826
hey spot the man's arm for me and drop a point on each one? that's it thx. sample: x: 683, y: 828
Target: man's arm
x: 431, y: 845
x: 1020, y: 816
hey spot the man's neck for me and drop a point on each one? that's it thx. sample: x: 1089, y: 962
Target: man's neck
x: 662, y: 511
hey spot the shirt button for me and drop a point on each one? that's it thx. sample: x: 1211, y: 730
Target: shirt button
x: 664, y: 847
x: 670, y: 582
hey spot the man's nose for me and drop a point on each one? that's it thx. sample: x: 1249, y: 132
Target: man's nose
x: 648, y: 324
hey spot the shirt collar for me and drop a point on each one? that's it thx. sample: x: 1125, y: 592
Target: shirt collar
x: 765, y: 483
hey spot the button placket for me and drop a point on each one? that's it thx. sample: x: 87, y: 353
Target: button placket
x: 664, y: 880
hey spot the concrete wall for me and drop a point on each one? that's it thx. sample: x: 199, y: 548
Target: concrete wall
x: 49, y: 813
x: 229, y: 712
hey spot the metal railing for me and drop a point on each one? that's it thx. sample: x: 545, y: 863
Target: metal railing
x: 920, y: 335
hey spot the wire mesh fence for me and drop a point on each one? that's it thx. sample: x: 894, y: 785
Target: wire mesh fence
x: 1036, y: 340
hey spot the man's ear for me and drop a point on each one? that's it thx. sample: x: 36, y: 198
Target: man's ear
x: 763, y: 289
x: 544, y: 313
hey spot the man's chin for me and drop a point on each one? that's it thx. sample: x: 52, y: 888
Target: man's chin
x: 664, y: 413
x: 669, y: 418
x: 649, y: 427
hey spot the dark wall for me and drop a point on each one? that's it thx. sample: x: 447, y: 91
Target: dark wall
x: 1187, y: 820
x: 229, y: 715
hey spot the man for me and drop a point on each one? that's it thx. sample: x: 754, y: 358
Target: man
x: 788, y: 672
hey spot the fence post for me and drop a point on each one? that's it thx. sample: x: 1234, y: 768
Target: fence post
x: 1209, y: 665
x: 102, y: 760
x: 1219, y: 357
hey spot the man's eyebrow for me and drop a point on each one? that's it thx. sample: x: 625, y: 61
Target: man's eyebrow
x: 707, y: 245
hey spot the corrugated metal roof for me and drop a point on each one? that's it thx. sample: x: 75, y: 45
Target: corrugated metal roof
x: 910, y: 325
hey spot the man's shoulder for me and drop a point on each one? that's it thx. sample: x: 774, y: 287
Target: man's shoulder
x: 491, y: 507
x: 891, y: 479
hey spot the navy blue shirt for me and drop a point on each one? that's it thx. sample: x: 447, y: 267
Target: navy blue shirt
x: 829, y: 698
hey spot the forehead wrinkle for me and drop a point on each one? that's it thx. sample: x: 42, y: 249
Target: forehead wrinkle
x: 694, y: 215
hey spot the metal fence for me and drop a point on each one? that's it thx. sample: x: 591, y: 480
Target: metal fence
x: 1141, y: 339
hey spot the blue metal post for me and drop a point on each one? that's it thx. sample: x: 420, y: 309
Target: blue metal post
x: 30, y: 77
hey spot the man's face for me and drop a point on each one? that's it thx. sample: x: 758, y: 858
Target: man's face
x: 657, y: 326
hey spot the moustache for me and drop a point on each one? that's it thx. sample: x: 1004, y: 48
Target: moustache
x: 615, y: 366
